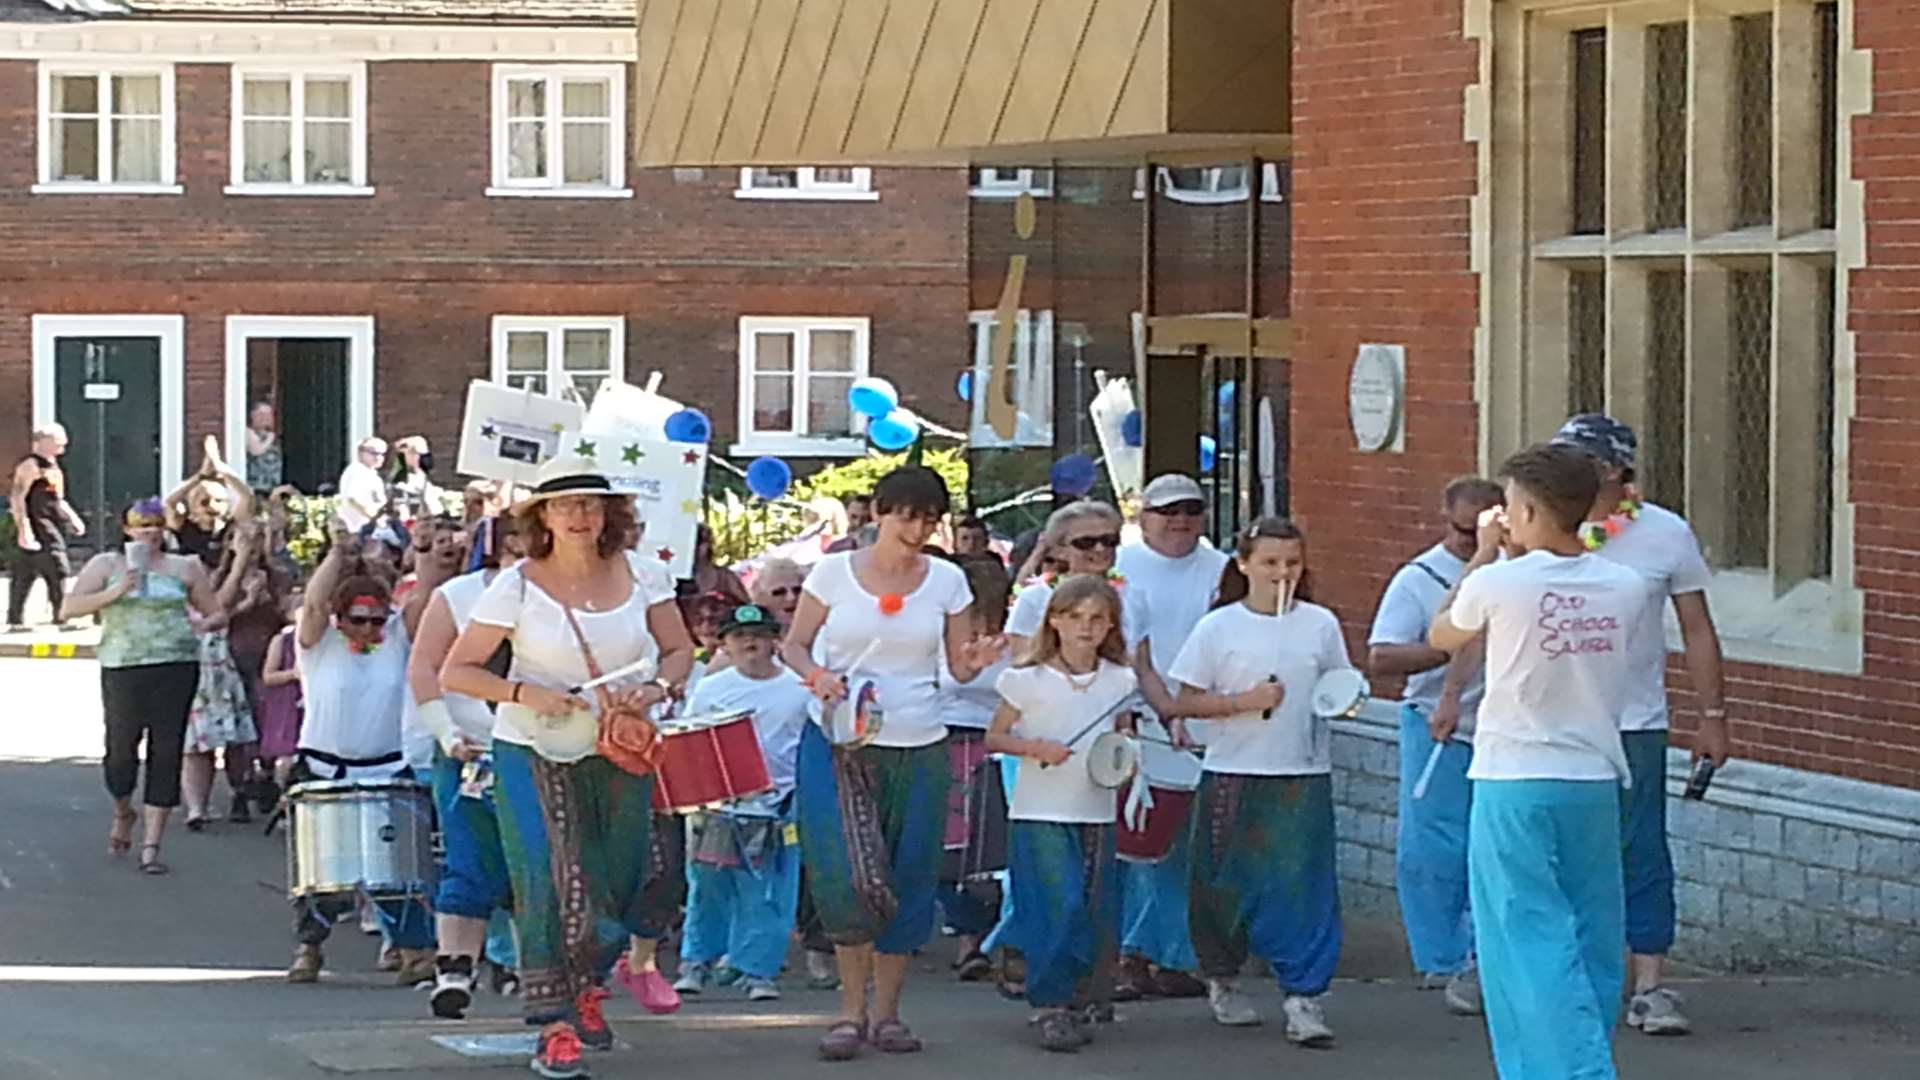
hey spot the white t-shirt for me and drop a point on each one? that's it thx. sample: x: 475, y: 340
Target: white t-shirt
x: 471, y: 717
x: 1235, y: 649
x: 781, y: 708
x: 1169, y: 596
x: 1661, y: 548
x: 1406, y: 611
x: 901, y: 651
x: 360, y: 487
x: 1558, y: 669
x: 971, y: 704
x: 545, y: 651
x: 1030, y: 610
x: 1052, y: 707
x: 354, y: 700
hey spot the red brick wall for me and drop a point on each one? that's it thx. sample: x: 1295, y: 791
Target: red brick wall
x: 433, y: 259
x: 1382, y: 182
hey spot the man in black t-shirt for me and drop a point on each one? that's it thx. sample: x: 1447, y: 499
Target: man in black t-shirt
x: 42, y: 517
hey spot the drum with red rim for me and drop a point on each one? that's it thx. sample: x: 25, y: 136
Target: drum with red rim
x: 1172, y: 778
x: 708, y: 761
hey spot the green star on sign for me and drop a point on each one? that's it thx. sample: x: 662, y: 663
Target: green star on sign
x: 585, y: 449
x: 689, y: 506
x: 632, y: 454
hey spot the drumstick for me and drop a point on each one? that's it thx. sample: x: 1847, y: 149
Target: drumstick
x: 1194, y: 749
x: 1426, y: 774
x: 1117, y: 706
x: 642, y: 667
x: 1286, y: 596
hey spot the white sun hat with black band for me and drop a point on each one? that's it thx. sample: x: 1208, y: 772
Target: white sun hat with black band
x: 567, y: 475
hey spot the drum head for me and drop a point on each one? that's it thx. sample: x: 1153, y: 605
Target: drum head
x: 1339, y: 693
x: 680, y: 725
x: 1112, y: 759
x: 855, y: 721
x: 564, y: 739
x: 1165, y: 766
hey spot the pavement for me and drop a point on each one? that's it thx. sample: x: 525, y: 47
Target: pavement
x: 105, y: 973
x: 44, y: 640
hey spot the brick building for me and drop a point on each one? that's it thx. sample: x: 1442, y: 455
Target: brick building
x: 1700, y: 218
x: 352, y: 207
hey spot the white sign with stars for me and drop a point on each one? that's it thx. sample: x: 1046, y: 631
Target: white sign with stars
x: 507, y: 434
x: 666, y: 480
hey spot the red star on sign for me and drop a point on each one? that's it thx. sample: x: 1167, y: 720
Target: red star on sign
x: 691, y: 457
x: 665, y: 554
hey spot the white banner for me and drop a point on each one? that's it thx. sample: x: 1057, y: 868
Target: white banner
x: 508, y: 434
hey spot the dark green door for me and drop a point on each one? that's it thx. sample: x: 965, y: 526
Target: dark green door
x: 311, y: 374
x: 107, y: 395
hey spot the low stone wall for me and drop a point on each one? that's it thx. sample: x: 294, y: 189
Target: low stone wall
x: 1779, y: 870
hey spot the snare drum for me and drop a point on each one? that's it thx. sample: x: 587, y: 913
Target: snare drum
x: 1340, y: 693
x: 854, y: 721
x: 986, y: 851
x: 1172, y: 778
x: 371, y: 836
x: 708, y: 761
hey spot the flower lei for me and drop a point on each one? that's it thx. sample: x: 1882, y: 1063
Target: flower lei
x: 1595, y: 534
x: 1113, y: 577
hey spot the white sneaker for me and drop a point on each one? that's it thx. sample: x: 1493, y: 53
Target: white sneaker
x: 1306, y: 1024
x: 452, y: 992
x: 1230, y: 1008
x: 1657, y: 1012
x: 693, y: 978
x: 1463, y: 993
x: 823, y: 972
x: 761, y: 989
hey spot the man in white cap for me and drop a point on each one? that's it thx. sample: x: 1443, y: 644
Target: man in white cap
x: 1661, y: 547
x: 1170, y: 581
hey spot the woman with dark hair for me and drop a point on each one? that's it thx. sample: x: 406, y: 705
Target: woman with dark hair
x: 710, y: 578
x: 351, y: 646
x: 574, y: 823
x: 871, y: 816
x: 1263, y: 846
x: 149, y: 667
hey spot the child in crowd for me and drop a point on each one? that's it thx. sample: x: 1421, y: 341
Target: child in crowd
x: 969, y: 708
x: 743, y: 863
x: 278, y: 709
x: 1066, y: 908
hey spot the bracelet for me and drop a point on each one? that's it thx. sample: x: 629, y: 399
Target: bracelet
x: 514, y: 698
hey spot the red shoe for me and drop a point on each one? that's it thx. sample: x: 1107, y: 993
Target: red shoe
x: 559, y: 1055
x: 650, y: 988
x: 590, y: 1021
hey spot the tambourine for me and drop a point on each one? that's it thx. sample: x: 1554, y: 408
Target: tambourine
x: 1112, y: 760
x: 1340, y: 694
x: 856, y: 720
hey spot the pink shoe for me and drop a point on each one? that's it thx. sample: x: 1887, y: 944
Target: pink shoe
x: 650, y: 988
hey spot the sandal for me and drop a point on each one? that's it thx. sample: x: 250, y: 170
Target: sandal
x: 1058, y: 1032
x: 120, y: 837
x: 894, y: 1037
x: 842, y: 1041
x: 152, y: 866
x: 974, y: 966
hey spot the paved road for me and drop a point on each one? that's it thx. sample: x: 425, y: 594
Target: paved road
x: 105, y: 974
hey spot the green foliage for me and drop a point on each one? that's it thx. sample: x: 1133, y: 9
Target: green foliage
x: 307, y: 519
x: 744, y: 526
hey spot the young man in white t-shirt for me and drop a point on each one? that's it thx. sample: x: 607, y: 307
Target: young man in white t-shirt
x: 743, y: 863
x: 1544, y: 875
x: 1171, y: 579
x: 1430, y: 855
x: 1660, y: 546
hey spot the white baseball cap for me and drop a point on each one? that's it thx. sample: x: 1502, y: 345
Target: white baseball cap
x: 1170, y: 488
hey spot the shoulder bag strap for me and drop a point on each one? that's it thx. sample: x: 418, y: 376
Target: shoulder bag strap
x: 1431, y: 572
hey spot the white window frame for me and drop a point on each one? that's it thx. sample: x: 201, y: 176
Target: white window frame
x: 555, y: 327
x: 104, y: 71
x: 808, y: 187
x: 171, y: 330
x: 297, y: 75
x: 552, y: 186
x: 1037, y: 182
x: 796, y: 441
x: 1213, y: 194
x: 1033, y: 337
x: 355, y: 330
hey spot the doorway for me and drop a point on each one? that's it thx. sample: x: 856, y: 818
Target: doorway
x: 317, y: 374
x: 115, y: 384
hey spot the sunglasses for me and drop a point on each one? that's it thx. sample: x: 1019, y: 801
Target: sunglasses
x: 1088, y: 543
x: 364, y: 621
x: 785, y: 590
x: 1189, y: 508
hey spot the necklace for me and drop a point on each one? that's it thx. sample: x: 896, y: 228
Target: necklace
x: 1595, y: 534
x: 1074, y: 677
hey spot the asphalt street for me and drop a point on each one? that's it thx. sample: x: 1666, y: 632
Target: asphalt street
x: 106, y: 973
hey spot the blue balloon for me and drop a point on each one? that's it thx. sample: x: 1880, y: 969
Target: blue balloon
x: 1133, y: 428
x: 689, y: 426
x: 1073, y: 475
x: 1208, y: 451
x: 873, y: 397
x: 769, y: 477
x: 895, y: 431
x: 964, y: 386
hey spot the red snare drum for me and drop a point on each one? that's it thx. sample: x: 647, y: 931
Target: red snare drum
x: 1154, y: 840
x: 708, y: 761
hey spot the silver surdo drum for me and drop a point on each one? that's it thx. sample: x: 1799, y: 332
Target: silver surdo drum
x: 360, y: 836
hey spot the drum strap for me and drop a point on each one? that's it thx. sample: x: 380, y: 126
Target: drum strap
x: 340, y: 765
